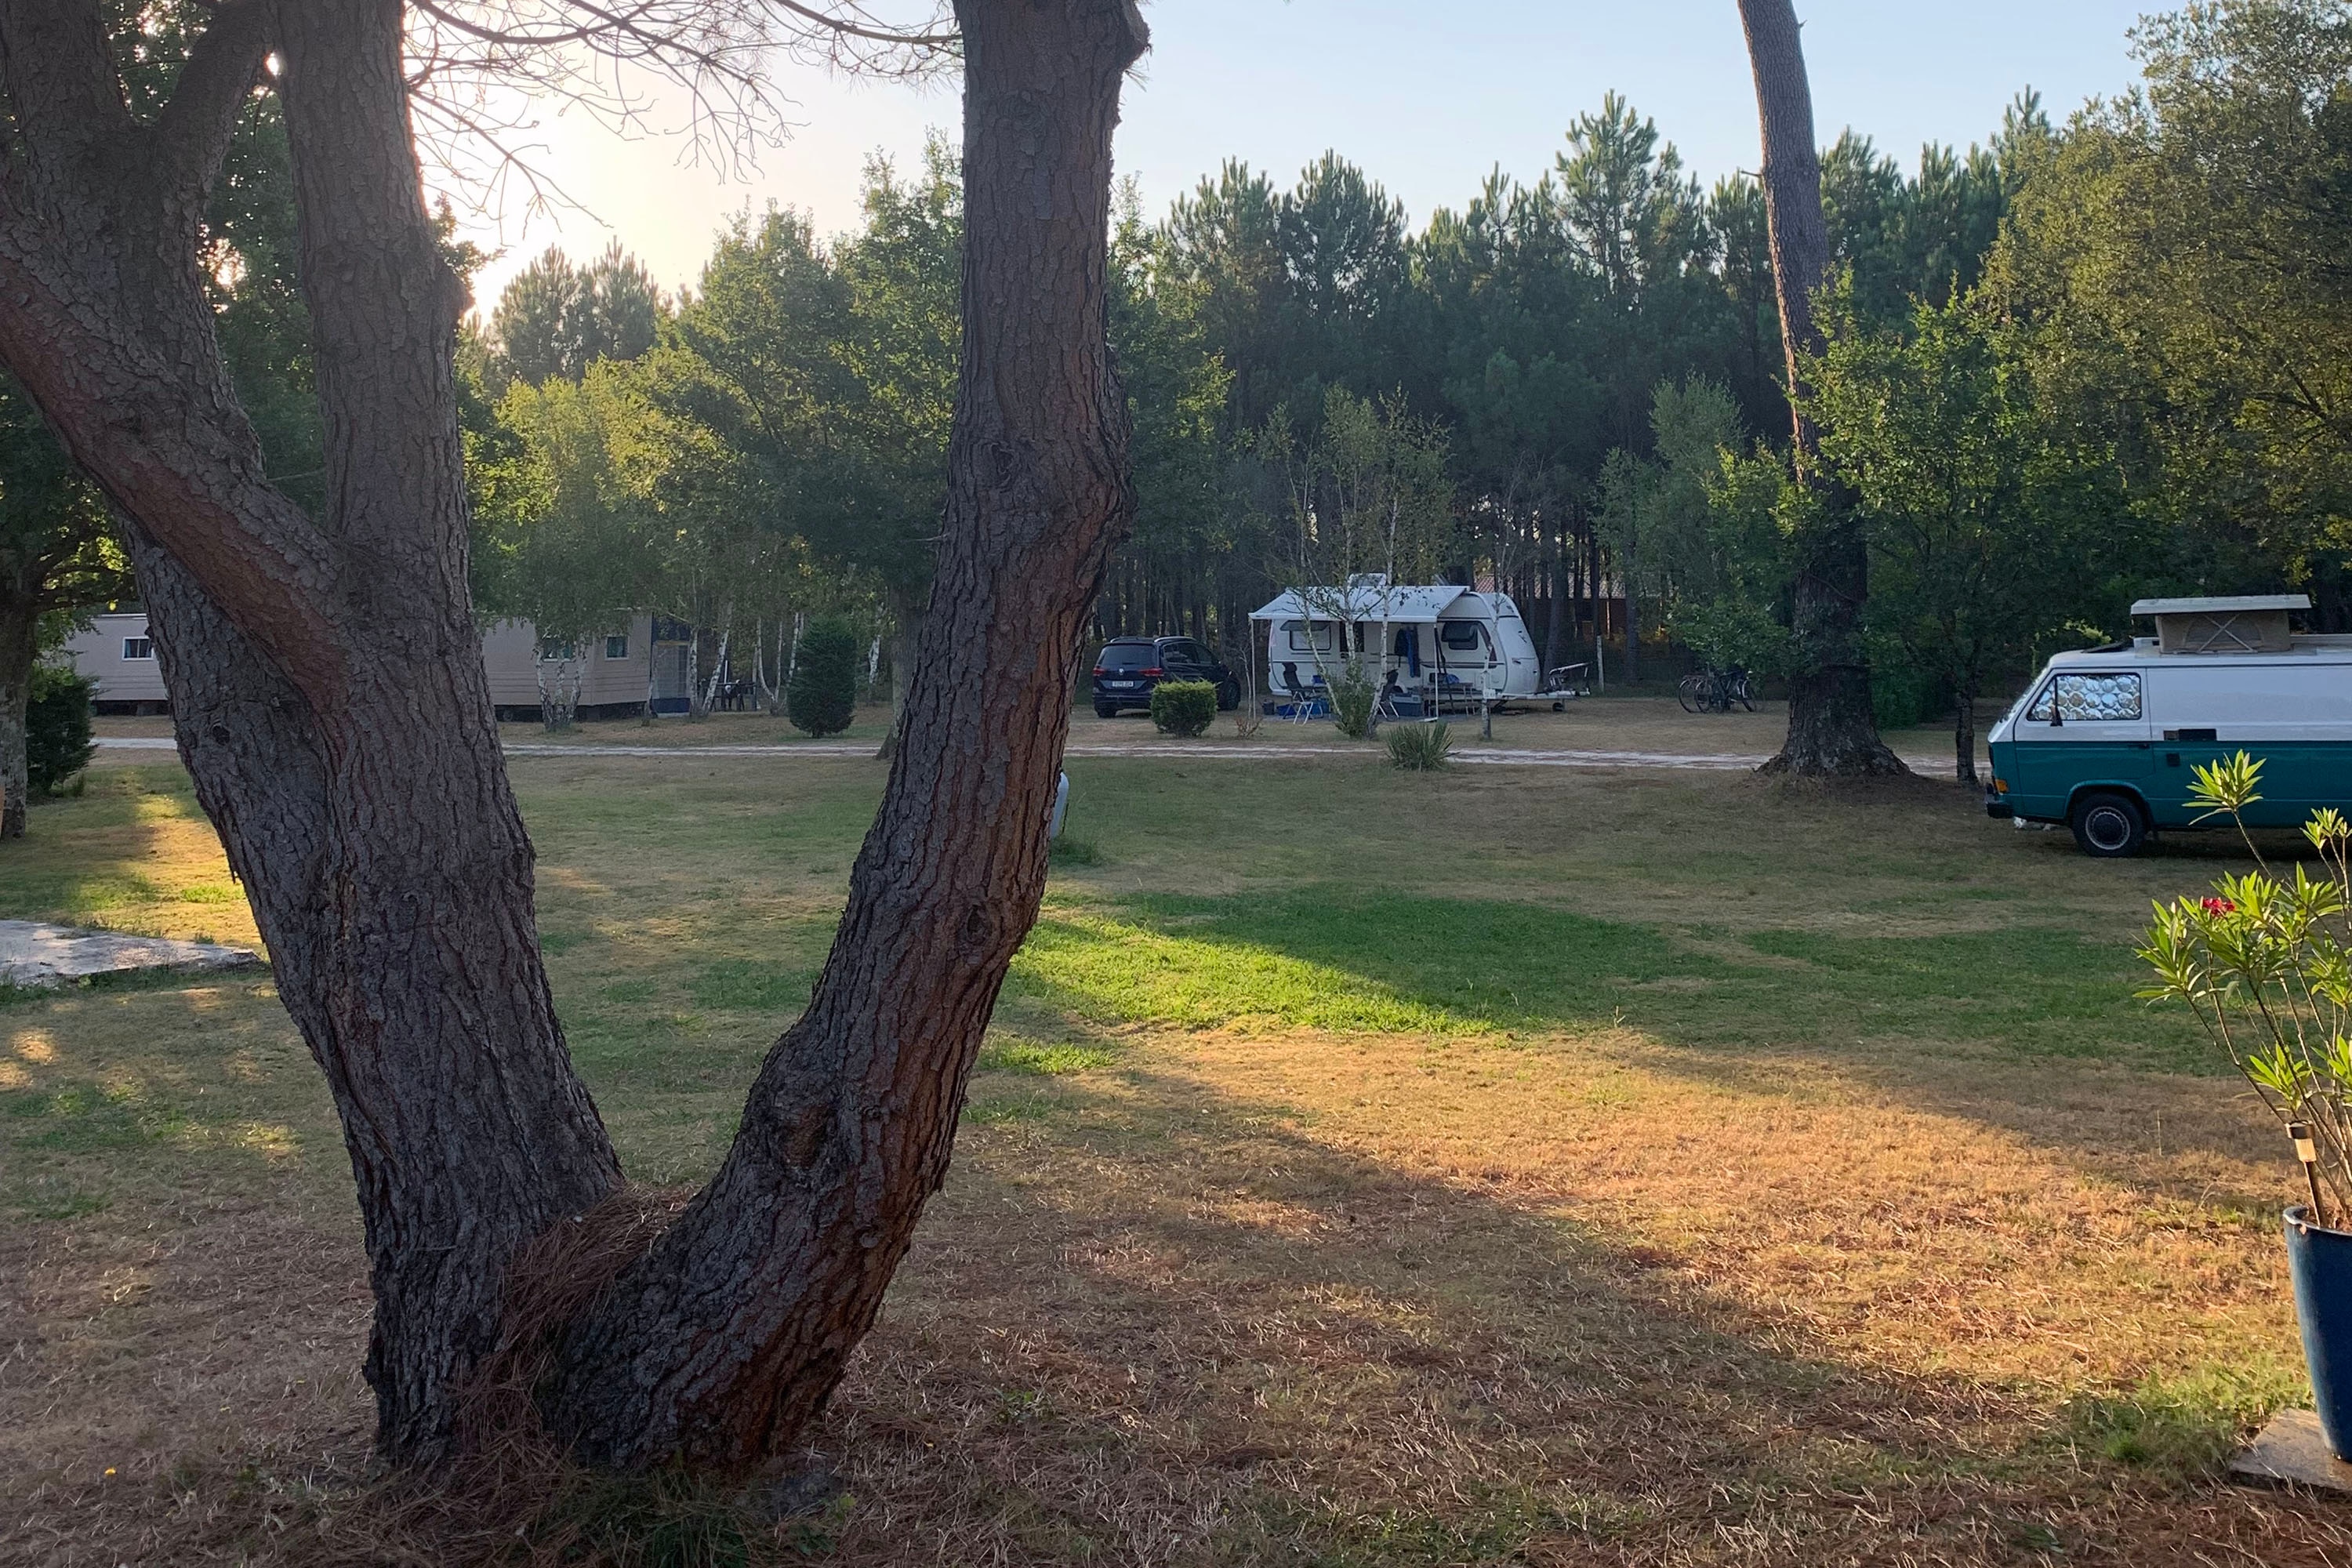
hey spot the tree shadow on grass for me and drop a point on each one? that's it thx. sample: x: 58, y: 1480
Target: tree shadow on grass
x: 1983, y: 1025
x: 1147, y: 1323
x: 1334, y: 957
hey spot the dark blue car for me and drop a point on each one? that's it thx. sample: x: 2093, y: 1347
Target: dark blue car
x: 1129, y: 668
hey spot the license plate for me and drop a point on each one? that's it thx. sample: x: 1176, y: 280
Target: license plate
x: 1122, y: 684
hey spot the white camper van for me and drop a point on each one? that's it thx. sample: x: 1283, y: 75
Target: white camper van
x: 2108, y: 740
x: 1439, y: 649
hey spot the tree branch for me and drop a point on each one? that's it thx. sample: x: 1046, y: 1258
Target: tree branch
x: 193, y: 130
x: 59, y: 77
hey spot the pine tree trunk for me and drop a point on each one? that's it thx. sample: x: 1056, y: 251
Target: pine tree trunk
x: 1831, y: 729
x: 1964, y: 737
x: 907, y: 617
x: 326, y: 678
x: 728, y: 1335
x: 332, y: 708
x: 20, y: 646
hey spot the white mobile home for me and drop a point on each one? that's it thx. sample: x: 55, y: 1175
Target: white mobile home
x: 1439, y: 647
x: 114, y: 652
x: 616, y: 673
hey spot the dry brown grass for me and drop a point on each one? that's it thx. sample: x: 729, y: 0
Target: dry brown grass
x: 1593, y: 1292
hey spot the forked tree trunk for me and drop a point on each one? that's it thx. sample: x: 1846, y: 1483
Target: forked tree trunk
x: 729, y: 1333
x: 326, y: 677
x: 1832, y: 727
x: 332, y: 708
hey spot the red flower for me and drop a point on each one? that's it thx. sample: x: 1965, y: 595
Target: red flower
x: 2220, y: 907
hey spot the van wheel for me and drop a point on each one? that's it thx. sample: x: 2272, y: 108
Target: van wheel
x: 1229, y: 696
x: 2109, y: 826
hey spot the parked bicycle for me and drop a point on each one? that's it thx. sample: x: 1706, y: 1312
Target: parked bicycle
x: 1714, y: 691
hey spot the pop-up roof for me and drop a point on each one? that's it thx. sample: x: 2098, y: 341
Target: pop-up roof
x: 2249, y: 623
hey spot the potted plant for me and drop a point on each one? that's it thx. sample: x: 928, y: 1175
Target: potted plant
x: 2265, y: 963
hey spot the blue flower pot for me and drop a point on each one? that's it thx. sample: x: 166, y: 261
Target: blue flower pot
x: 2320, y: 1262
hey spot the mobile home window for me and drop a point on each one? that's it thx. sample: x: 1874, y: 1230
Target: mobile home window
x: 1319, y: 641
x: 617, y: 647
x: 138, y: 648
x: 2088, y: 699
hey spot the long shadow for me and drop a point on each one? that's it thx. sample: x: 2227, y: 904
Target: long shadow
x: 1991, y: 1027
x: 1144, y: 1308
x: 2034, y: 989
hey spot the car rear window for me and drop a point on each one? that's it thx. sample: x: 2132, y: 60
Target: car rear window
x: 1128, y: 656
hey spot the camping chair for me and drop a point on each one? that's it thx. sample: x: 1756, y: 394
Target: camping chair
x: 1302, y: 702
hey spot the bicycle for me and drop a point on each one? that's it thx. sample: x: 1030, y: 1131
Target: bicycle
x: 1714, y: 691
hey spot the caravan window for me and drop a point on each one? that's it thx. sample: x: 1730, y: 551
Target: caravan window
x: 2088, y: 698
x: 1321, y: 641
x: 1461, y: 637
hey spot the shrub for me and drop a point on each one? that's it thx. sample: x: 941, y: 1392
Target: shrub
x: 1183, y: 706
x: 823, y: 696
x: 1353, y: 700
x: 1421, y: 748
x: 2266, y: 965
x: 56, y: 728
x: 1903, y: 697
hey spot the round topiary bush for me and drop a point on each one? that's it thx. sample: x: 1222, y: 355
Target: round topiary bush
x: 56, y: 728
x: 1183, y: 706
x: 823, y: 696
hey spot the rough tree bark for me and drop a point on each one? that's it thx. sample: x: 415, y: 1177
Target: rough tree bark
x: 325, y: 674
x: 736, y: 1324
x: 333, y: 710
x: 1831, y: 729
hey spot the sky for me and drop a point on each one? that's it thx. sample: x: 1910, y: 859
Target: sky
x: 1427, y: 97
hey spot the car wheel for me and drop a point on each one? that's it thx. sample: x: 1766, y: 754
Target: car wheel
x: 2109, y: 826
x: 1229, y: 696
x: 1106, y: 709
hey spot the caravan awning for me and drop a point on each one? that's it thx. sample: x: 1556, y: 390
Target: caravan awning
x: 1397, y: 607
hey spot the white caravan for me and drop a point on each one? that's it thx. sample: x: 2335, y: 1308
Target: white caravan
x: 1438, y: 648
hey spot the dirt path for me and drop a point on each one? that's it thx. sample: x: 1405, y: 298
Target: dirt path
x: 1211, y: 751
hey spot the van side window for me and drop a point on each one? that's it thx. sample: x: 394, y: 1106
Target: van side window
x: 2088, y: 699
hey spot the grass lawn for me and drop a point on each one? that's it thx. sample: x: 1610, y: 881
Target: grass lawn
x: 1515, y: 1165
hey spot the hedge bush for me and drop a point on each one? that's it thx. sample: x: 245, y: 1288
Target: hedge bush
x: 56, y: 728
x: 1183, y: 706
x: 823, y: 696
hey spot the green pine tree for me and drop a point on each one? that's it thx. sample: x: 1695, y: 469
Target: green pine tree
x: 823, y: 691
